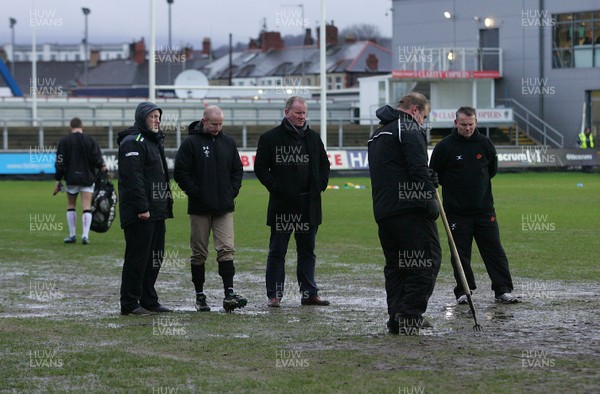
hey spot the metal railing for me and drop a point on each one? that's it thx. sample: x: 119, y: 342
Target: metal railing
x: 417, y: 58
x: 532, y: 125
x: 170, y: 127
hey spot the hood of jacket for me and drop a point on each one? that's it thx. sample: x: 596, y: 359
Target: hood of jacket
x: 474, y: 137
x: 387, y: 114
x: 196, y: 127
x: 142, y: 110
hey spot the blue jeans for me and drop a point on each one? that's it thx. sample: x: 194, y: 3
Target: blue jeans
x: 305, y: 269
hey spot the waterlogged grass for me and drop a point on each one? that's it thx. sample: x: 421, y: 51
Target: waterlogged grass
x: 60, y: 329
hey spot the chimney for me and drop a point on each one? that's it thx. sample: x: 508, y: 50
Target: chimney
x: 350, y: 38
x: 187, y: 52
x: 372, y: 62
x: 331, y: 35
x: 253, y: 44
x: 271, y: 40
x: 137, y: 51
x: 308, y: 40
x: 206, y: 47
x: 94, y: 58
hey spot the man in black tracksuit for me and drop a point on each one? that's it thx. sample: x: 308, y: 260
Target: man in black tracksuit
x: 405, y: 210
x: 291, y: 162
x: 466, y: 162
x: 209, y: 170
x: 145, y: 203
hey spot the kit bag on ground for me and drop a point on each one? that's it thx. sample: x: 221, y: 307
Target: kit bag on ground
x: 104, y: 203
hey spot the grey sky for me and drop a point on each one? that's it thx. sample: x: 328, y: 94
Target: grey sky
x: 114, y: 21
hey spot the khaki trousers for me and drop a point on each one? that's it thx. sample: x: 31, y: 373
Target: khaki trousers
x: 223, y: 237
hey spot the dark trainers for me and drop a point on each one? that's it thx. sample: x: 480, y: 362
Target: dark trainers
x: 233, y: 301
x: 393, y: 327
x: 160, y: 309
x: 70, y: 240
x: 201, y: 303
x: 408, y: 325
x: 139, y: 311
x: 314, y: 300
x: 274, y: 302
x: 85, y: 240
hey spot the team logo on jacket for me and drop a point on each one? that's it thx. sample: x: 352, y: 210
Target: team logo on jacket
x: 459, y: 157
x: 206, y: 150
x: 479, y: 156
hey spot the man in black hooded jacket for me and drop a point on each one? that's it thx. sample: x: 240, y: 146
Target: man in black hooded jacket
x: 209, y: 170
x: 405, y: 209
x: 145, y: 203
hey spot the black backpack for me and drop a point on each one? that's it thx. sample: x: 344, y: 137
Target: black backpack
x: 104, y: 202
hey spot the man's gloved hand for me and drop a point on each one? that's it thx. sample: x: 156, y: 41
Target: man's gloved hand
x: 434, y: 177
x: 433, y: 211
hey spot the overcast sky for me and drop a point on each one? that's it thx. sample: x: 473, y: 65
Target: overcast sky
x: 116, y: 21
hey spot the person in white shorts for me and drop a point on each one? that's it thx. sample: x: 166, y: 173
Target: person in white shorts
x: 77, y: 158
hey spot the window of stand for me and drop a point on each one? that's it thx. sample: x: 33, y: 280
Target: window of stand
x: 576, y: 40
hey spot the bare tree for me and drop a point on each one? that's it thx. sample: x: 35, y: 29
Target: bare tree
x: 362, y: 31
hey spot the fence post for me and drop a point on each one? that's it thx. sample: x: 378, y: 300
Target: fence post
x: 110, y: 134
x: 545, y: 133
x: 41, y: 134
x: 340, y: 135
x: 5, y: 135
x: 244, y: 135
